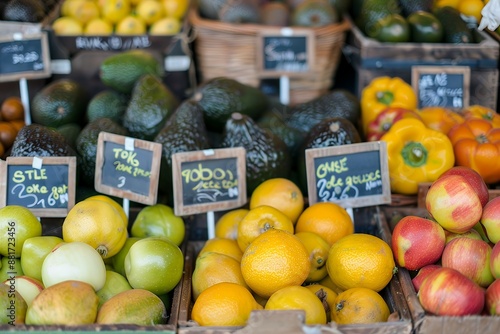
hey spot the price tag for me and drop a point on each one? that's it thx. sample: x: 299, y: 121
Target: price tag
x: 210, y: 180
x: 441, y: 86
x: 24, y: 56
x: 354, y: 175
x: 127, y: 168
x: 44, y: 185
x: 285, y: 51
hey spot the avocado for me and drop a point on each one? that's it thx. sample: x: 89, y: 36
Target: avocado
x: 120, y: 71
x: 222, y: 96
x: 209, y: 9
x: 266, y: 154
x: 342, y: 6
x: 86, y: 145
x: 185, y: 131
x: 150, y: 105
x: 36, y: 140
x: 334, y: 131
x: 32, y: 11
x: 335, y: 103
x: 107, y: 103
x: 455, y: 29
x: 239, y: 12
x: 411, y: 6
x: 425, y: 27
x: 373, y: 10
x: 60, y: 102
x: 70, y: 132
x: 314, y: 13
x: 392, y: 28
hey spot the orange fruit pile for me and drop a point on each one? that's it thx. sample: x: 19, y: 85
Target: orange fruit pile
x: 289, y: 256
x: 11, y: 121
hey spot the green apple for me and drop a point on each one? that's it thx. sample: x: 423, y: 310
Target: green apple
x: 154, y: 264
x: 27, y: 286
x: 12, y: 304
x: 119, y: 257
x: 34, y: 252
x: 159, y: 220
x: 17, y: 224
x: 10, y: 268
x: 114, y: 284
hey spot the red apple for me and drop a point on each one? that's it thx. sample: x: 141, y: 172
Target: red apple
x: 495, y: 260
x: 417, y: 242
x: 492, y: 302
x: 422, y: 274
x: 474, y: 179
x: 491, y: 220
x: 454, y: 203
x: 471, y: 257
x: 447, y: 292
x: 472, y: 233
x: 482, y: 232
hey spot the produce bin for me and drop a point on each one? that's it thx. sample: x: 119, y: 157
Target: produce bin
x: 423, y: 322
x: 370, y: 58
x: 367, y: 220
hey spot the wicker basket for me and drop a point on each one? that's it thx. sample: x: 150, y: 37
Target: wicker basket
x: 229, y: 50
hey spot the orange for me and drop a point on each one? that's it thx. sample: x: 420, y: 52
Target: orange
x: 228, y: 247
x: 298, y: 298
x: 281, y: 194
x: 8, y: 134
x: 329, y: 220
x: 2, y: 150
x: 18, y: 124
x: 360, y: 261
x: 227, y: 224
x: 212, y: 268
x: 260, y: 220
x: 318, y: 248
x: 274, y: 260
x: 471, y: 8
x: 224, y: 304
x: 359, y: 306
x: 327, y: 281
x: 326, y: 296
x: 96, y: 223
x: 12, y: 109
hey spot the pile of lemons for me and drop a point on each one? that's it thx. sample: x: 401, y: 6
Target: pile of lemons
x: 120, y: 17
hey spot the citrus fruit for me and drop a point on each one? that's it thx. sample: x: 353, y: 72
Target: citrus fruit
x: 15, y: 300
x: 224, y: 304
x: 359, y: 306
x: 328, y: 220
x: 149, y: 11
x: 471, y: 8
x: 281, y: 194
x: 228, y: 247
x: 175, y: 8
x: 67, y: 26
x: 360, y: 261
x: 261, y: 219
x: 2, y: 150
x: 318, y: 248
x: 159, y: 220
x: 113, y: 203
x: 98, y: 27
x: 12, y: 109
x: 130, y: 25
x: 17, y: 224
x: 298, y: 298
x: 114, y: 284
x: 326, y: 296
x: 165, y: 26
x: 33, y: 253
x: 118, y: 260
x: 114, y: 11
x: 227, y: 225
x: 212, y: 268
x: 8, y: 134
x: 274, y: 260
x: 97, y: 223
x: 327, y: 281
x: 83, y: 10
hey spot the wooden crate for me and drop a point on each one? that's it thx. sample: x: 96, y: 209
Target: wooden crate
x: 423, y: 322
x: 367, y: 220
x: 371, y: 59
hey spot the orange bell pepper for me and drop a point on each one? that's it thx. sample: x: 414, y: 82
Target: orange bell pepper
x: 439, y: 118
x: 482, y: 112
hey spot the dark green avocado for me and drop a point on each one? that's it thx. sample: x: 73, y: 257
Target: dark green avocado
x: 36, y: 140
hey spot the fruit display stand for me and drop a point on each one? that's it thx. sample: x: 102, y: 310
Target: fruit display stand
x: 367, y: 220
x: 371, y: 59
x: 231, y: 50
x: 423, y: 322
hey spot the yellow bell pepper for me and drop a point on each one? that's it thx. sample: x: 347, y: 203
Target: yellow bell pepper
x: 416, y: 154
x: 383, y: 92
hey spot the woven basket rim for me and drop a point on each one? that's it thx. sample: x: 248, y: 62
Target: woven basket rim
x: 253, y: 29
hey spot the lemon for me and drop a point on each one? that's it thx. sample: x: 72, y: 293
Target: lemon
x: 84, y: 11
x: 149, y: 11
x: 130, y: 25
x: 175, y: 8
x: 17, y: 224
x: 165, y: 26
x: 114, y: 11
x: 66, y: 25
x: 99, y: 27
x: 68, y: 6
x: 471, y: 8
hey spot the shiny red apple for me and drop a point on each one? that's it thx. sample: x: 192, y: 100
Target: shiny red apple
x: 417, y: 242
x: 492, y: 302
x: 490, y: 220
x: 495, y: 260
x: 422, y: 274
x: 472, y: 233
x: 474, y: 179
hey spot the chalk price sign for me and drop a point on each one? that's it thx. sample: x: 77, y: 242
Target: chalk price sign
x: 442, y: 86
x: 127, y: 167
x: 285, y: 51
x: 44, y: 185
x: 210, y: 180
x: 354, y: 175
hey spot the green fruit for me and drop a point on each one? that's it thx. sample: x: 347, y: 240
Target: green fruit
x: 12, y: 304
x: 17, y: 224
x: 10, y: 267
x: 118, y: 259
x: 34, y: 252
x: 154, y: 264
x: 425, y: 27
x: 107, y: 104
x: 115, y: 283
x: 159, y: 220
x: 392, y: 28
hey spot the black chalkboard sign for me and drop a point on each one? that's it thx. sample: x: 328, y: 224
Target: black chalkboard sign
x: 210, y: 180
x: 44, y: 185
x: 285, y: 51
x: 354, y: 175
x: 24, y: 56
x: 441, y: 86
x: 127, y: 167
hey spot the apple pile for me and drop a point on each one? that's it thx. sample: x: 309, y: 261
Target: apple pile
x: 455, y: 253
